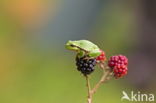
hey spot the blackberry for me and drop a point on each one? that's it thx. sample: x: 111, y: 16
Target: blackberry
x: 120, y: 70
x: 85, y: 65
x: 119, y: 65
x: 101, y: 57
x: 119, y: 59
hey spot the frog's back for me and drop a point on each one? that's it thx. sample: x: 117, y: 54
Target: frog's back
x: 87, y: 45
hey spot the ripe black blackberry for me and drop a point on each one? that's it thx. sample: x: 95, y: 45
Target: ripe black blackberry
x: 85, y: 65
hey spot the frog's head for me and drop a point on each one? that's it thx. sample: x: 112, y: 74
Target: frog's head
x: 71, y: 45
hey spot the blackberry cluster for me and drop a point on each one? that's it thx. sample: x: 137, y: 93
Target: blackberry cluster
x: 85, y: 65
x: 119, y: 65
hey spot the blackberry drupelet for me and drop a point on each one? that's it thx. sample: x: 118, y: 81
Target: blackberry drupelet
x: 85, y: 65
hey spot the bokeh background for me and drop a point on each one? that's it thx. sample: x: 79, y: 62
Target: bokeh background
x: 36, y: 68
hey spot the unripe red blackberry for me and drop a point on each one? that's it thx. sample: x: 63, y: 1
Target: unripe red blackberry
x: 115, y: 60
x: 120, y: 70
x: 85, y: 66
x: 101, y: 57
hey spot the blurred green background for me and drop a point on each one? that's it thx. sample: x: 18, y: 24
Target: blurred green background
x: 36, y: 68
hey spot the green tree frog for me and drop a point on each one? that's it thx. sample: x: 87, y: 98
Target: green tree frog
x: 83, y: 47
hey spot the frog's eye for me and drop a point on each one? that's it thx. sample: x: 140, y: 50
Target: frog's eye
x: 72, y: 45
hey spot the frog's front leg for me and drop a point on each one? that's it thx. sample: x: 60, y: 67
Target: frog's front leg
x: 81, y: 54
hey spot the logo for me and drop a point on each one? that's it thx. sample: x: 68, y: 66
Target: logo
x: 137, y: 96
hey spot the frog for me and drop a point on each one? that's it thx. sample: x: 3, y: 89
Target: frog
x: 83, y: 48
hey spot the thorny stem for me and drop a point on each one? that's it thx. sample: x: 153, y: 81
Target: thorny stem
x: 102, y: 80
x: 89, y: 100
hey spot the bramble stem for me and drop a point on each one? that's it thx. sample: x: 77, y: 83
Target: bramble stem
x: 104, y: 77
x: 102, y: 80
x: 89, y: 100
